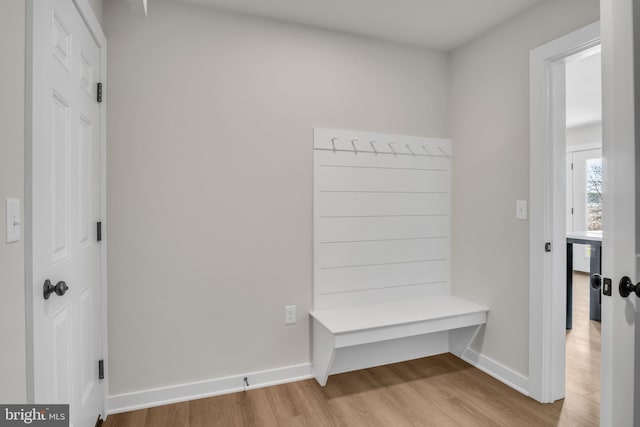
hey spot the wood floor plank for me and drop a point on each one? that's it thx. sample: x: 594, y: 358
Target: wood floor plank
x: 361, y: 401
x: 301, y: 403
x: 434, y: 391
x: 419, y: 411
x: 175, y: 415
x: 262, y: 410
x: 250, y: 408
x: 127, y: 419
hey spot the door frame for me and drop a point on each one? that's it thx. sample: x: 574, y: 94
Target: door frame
x: 88, y: 16
x: 547, y: 270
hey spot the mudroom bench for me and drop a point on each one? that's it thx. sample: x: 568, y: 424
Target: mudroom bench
x: 382, y: 253
x: 337, y: 329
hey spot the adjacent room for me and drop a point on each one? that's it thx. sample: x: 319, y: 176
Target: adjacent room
x: 584, y: 221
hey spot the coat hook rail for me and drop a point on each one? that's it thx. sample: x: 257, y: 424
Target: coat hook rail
x: 395, y: 153
x: 334, y: 148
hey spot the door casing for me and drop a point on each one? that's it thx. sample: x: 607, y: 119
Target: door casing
x: 547, y: 183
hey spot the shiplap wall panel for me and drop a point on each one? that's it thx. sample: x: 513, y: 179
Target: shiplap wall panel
x: 333, y: 204
x: 356, y: 180
x: 332, y: 255
x: 382, y: 295
x: 381, y: 217
x: 361, y: 278
x: 349, y: 229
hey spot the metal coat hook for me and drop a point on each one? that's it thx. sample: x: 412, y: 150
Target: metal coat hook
x: 443, y: 152
x: 410, y: 150
x: 353, y: 143
x: 333, y: 143
x: 374, y: 147
x: 391, y: 147
x: 427, y: 151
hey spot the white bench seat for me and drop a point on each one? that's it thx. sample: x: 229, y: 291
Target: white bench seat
x: 338, y: 328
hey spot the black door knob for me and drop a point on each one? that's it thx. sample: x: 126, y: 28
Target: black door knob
x: 596, y: 281
x: 626, y: 287
x: 59, y: 289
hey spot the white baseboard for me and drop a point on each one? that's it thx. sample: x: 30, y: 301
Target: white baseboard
x: 498, y: 371
x: 197, y: 390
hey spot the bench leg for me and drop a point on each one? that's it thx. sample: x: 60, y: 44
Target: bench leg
x: 323, y: 352
x: 461, y: 339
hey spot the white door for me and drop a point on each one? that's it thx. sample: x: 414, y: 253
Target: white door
x: 620, y: 371
x: 65, y: 207
x: 584, y: 200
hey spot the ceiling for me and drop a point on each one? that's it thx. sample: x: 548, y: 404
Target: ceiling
x: 584, y: 91
x: 437, y: 24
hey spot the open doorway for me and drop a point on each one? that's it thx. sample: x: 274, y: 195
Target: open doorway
x: 583, y: 140
x: 548, y: 278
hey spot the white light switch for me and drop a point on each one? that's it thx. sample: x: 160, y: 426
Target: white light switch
x: 14, y: 226
x: 521, y: 209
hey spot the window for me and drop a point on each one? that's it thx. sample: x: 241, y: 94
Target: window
x: 594, y: 194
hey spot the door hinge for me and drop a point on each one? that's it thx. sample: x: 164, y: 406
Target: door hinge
x: 571, y: 166
x: 101, y: 369
x: 99, y: 92
x: 99, y: 231
x: 547, y: 247
x: 571, y: 211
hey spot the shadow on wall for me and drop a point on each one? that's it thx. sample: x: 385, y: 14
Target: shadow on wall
x: 479, y: 338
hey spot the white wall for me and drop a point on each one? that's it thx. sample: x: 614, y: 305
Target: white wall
x: 210, y: 178
x: 490, y: 132
x: 12, y: 308
x: 97, y: 7
x: 588, y: 134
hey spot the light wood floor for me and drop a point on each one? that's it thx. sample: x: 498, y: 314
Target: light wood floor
x: 435, y: 391
x: 583, y: 352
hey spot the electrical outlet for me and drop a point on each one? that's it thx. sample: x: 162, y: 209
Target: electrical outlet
x: 289, y: 314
